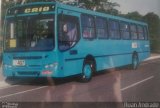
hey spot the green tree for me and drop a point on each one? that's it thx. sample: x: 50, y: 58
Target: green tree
x: 4, y: 6
x: 134, y: 15
x: 153, y: 21
x: 101, y: 5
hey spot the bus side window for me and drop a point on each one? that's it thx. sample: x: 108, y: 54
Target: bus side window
x: 145, y: 33
x: 124, y: 30
x: 68, y: 31
x: 140, y: 33
x: 133, y: 30
x: 114, y: 29
x: 88, y: 27
x: 101, y: 28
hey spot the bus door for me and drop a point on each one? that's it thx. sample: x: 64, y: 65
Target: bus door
x: 68, y: 40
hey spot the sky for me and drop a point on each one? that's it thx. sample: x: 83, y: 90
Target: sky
x: 142, y: 6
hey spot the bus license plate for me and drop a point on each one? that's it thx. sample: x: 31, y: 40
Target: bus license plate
x: 18, y: 63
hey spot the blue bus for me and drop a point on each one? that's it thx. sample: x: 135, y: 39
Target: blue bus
x: 50, y: 39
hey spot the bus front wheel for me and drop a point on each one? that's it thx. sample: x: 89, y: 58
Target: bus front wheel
x: 87, y: 72
x: 135, y: 61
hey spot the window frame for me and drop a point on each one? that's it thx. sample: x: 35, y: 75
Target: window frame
x: 133, y: 24
x: 147, y: 32
x: 105, y: 28
x: 124, y: 22
x: 118, y: 30
x: 77, y: 22
x: 94, y: 28
x: 140, y: 32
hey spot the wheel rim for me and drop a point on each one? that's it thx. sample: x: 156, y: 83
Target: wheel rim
x: 87, y: 71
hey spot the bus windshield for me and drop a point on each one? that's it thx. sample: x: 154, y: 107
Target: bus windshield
x: 29, y: 33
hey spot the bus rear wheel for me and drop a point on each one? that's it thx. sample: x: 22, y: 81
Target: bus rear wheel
x: 135, y: 61
x: 87, y: 71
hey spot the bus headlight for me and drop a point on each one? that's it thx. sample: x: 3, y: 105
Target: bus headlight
x: 53, y: 65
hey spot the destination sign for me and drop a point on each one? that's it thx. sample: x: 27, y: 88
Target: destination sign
x: 37, y: 9
x: 31, y: 9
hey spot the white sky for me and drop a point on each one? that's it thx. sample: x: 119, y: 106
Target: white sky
x: 142, y: 6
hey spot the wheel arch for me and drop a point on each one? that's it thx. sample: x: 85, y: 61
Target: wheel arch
x: 91, y: 58
x: 134, y: 53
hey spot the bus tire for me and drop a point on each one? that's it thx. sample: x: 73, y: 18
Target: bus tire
x: 87, y: 71
x: 135, y: 61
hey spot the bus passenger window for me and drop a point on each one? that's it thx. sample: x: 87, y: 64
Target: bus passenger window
x: 88, y: 27
x: 68, y: 32
x: 114, y: 29
x: 124, y: 30
x: 134, y: 34
x: 146, y: 33
x: 101, y: 28
x: 140, y: 33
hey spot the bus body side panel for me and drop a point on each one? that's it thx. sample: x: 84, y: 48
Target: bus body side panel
x: 108, y: 53
x: 68, y: 65
x: 112, y: 61
x: 144, y: 50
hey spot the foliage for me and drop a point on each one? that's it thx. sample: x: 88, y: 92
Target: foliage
x: 153, y: 21
x: 155, y: 45
x: 134, y: 15
x: 5, y: 5
x: 101, y: 5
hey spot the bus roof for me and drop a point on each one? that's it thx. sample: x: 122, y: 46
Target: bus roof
x: 85, y: 11
x: 90, y: 12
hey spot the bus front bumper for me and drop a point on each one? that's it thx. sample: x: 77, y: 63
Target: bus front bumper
x: 45, y: 71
